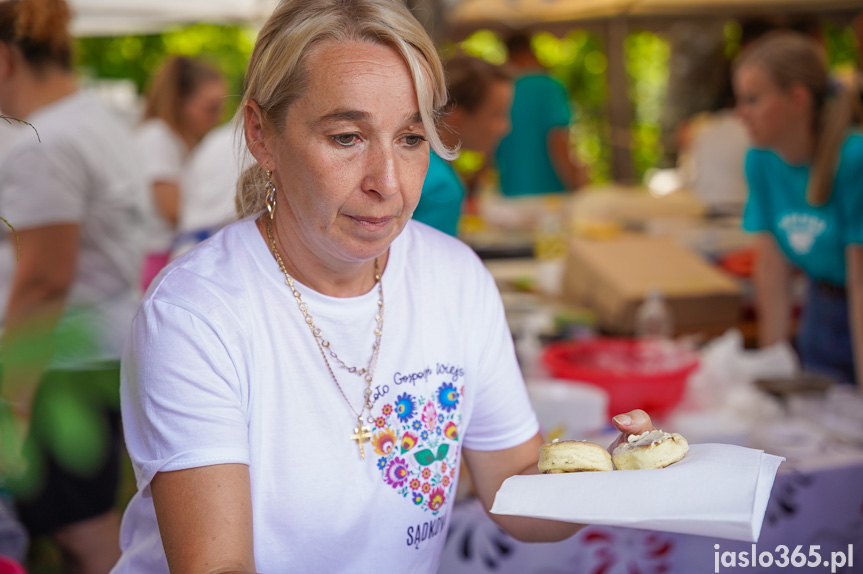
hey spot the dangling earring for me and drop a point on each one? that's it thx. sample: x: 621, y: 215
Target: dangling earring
x: 271, y: 195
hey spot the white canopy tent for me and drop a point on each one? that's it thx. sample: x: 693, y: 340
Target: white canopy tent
x: 118, y: 17
x: 473, y: 14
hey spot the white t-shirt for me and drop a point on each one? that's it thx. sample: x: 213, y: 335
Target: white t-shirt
x: 221, y: 368
x: 209, y: 189
x: 85, y: 171
x: 163, y: 155
x: 8, y: 247
x: 715, y: 165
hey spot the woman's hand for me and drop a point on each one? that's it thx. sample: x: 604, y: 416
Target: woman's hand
x: 633, y: 422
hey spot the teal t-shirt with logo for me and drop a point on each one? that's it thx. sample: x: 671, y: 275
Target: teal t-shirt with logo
x: 442, y: 196
x: 814, y: 238
x: 540, y: 104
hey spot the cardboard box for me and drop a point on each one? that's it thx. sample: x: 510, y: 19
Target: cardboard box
x: 612, y: 277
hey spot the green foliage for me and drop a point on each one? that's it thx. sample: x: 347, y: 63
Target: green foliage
x: 841, y: 44
x: 578, y: 60
x: 137, y: 57
x: 647, y: 57
x: 486, y: 45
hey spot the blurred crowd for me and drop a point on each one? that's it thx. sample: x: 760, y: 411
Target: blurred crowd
x: 100, y: 207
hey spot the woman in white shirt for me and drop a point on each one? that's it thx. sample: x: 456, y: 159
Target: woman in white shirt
x: 299, y: 390
x: 183, y: 103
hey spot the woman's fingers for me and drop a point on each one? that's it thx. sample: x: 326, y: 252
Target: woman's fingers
x: 633, y: 422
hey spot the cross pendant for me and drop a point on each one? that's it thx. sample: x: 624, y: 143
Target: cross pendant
x: 362, y: 434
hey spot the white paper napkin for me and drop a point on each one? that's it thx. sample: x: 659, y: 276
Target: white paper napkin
x: 717, y: 490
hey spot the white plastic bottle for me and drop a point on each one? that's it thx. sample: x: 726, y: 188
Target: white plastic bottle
x: 653, y: 319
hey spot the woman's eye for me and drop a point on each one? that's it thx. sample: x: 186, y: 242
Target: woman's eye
x: 345, y: 139
x: 414, y: 140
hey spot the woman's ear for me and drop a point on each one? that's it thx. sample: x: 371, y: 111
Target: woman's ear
x: 253, y: 130
x: 801, y: 96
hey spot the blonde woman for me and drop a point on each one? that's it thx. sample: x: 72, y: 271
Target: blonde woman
x: 183, y: 103
x: 805, y: 199
x: 300, y: 389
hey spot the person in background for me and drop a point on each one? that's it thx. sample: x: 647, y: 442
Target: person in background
x: 183, y: 103
x: 535, y: 156
x: 299, y: 390
x: 475, y: 117
x: 209, y: 185
x: 805, y: 202
x: 79, y: 202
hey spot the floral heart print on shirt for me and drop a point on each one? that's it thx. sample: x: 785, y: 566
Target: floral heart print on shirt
x: 416, y: 438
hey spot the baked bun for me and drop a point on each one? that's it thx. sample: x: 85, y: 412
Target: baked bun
x: 573, y: 456
x: 651, y: 449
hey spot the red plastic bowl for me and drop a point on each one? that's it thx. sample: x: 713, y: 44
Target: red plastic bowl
x: 637, y: 374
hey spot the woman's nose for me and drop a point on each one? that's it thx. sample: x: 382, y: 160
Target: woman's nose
x: 381, y: 171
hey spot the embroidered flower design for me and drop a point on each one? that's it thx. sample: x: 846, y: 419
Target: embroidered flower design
x: 405, y: 408
x: 397, y: 472
x: 409, y: 440
x: 429, y: 416
x: 415, y: 436
x: 447, y: 397
x: 436, y: 499
x: 384, y: 442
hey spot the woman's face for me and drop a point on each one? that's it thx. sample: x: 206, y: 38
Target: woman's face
x: 203, y: 110
x: 352, y: 157
x: 766, y: 110
x: 483, y: 129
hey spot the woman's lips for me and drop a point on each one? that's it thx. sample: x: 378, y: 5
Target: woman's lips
x: 372, y: 222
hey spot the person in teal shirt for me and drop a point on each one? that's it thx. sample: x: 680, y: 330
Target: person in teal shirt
x: 475, y: 117
x: 535, y: 157
x: 805, y: 201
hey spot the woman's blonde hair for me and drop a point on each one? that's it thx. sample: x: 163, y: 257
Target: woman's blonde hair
x: 792, y: 59
x: 40, y: 29
x: 177, y: 80
x: 277, y: 74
